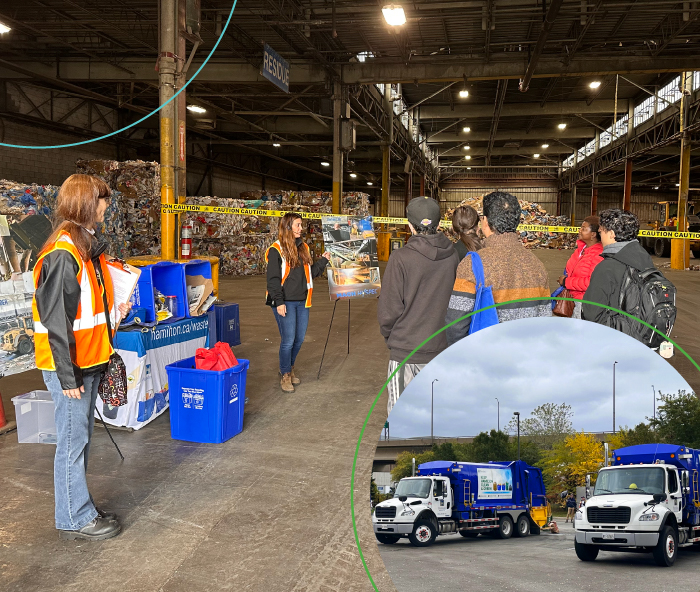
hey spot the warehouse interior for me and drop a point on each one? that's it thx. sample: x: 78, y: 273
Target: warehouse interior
x: 574, y: 105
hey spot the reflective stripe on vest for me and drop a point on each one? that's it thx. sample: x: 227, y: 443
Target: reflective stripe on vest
x: 92, y: 346
x: 285, y: 270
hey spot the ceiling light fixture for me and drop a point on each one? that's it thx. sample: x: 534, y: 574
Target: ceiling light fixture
x: 325, y: 163
x: 463, y: 94
x: 467, y: 157
x: 4, y: 28
x: 370, y: 183
x: 469, y: 168
x: 545, y: 145
x: 276, y: 145
x: 196, y: 109
x: 656, y: 187
x: 353, y: 175
x: 562, y: 126
x: 678, y: 184
x: 466, y: 130
x: 467, y: 147
x: 595, y: 84
x: 394, y: 15
x: 536, y: 155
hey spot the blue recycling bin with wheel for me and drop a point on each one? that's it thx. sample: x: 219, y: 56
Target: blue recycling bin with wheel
x: 206, y: 405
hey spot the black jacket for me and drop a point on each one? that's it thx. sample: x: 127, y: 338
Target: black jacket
x: 57, y: 298
x: 416, y: 290
x: 606, y: 282
x: 294, y: 288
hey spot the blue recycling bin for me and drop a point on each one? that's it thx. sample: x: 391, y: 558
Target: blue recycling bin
x: 169, y: 279
x: 228, y: 326
x: 205, y: 405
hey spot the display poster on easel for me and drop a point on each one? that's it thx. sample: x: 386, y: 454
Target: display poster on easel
x: 353, y: 271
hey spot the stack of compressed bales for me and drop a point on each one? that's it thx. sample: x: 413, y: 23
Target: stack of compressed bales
x: 532, y: 214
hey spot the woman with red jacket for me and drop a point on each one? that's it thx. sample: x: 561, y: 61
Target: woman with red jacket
x: 581, y: 264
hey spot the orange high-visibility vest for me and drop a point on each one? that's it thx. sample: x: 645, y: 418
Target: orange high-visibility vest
x: 286, y: 269
x: 92, y: 344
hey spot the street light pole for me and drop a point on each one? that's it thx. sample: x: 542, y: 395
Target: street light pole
x: 653, y: 390
x: 432, y: 393
x: 614, y: 428
x: 498, y: 413
x: 517, y: 415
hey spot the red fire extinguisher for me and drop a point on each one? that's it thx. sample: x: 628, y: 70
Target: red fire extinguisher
x: 186, y: 240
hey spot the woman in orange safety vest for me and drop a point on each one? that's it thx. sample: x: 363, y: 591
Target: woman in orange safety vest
x: 290, y: 284
x: 73, y: 297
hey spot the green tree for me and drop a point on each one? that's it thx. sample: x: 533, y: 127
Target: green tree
x: 548, y: 424
x: 565, y: 466
x: 678, y: 419
x: 491, y: 446
x: 402, y: 468
x: 642, y: 433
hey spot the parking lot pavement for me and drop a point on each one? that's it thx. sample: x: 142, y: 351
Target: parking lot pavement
x: 544, y: 563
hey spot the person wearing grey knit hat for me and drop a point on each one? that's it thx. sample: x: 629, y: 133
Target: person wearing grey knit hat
x: 416, y: 290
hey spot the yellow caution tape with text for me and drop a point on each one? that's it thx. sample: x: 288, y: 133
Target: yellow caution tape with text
x: 180, y: 208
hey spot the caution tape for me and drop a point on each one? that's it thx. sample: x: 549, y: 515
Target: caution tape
x: 180, y: 208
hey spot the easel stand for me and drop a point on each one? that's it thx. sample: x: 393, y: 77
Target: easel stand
x: 330, y: 325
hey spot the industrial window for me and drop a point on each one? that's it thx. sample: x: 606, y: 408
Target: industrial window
x: 438, y: 488
x: 644, y: 111
x: 672, y: 481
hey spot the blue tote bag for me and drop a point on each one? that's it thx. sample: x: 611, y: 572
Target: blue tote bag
x: 484, y: 297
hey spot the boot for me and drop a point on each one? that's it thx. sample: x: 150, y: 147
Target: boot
x: 295, y: 379
x: 97, y: 530
x: 286, y: 383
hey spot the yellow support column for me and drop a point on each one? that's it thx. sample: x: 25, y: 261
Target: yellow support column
x: 337, y: 152
x: 680, y: 249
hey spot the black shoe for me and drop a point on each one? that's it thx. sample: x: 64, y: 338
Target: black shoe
x: 106, y: 515
x: 97, y: 530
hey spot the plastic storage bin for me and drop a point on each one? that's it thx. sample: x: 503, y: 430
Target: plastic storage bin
x: 35, y: 418
x: 169, y: 279
x: 228, y: 326
x: 206, y: 406
x: 196, y: 267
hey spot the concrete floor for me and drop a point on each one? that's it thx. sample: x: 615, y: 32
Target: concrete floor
x: 268, y: 510
x: 544, y: 563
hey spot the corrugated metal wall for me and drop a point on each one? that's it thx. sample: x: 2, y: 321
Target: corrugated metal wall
x: 642, y: 202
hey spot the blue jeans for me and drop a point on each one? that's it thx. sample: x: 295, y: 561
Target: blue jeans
x: 75, y: 419
x: 292, y: 331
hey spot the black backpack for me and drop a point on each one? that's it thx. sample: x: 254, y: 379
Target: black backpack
x: 649, y: 296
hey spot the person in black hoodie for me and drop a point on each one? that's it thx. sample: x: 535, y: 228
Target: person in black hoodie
x: 290, y: 284
x: 621, y: 249
x: 415, y: 293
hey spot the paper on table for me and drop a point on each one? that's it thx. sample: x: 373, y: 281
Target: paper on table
x: 124, y: 280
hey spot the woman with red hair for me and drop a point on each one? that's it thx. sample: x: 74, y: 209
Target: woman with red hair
x: 290, y: 284
x: 74, y: 312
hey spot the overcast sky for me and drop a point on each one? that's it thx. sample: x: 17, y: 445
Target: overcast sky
x: 529, y: 362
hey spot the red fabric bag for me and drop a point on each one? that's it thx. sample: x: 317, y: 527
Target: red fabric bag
x: 220, y: 357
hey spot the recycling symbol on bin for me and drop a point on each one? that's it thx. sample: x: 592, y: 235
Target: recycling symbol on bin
x: 233, y: 394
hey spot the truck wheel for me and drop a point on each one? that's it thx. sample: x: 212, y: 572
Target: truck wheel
x: 585, y: 552
x: 387, y: 539
x: 505, y: 527
x: 469, y: 534
x: 667, y: 548
x: 424, y: 534
x: 522, y: 526
x: 25, y: 347
x: 662, y: 247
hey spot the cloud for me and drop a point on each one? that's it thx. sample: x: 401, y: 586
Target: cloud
x: 529, y: 362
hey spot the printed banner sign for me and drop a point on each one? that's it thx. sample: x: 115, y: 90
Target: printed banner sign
x: 275, y: 68
x: 353, y: 271
x: 495, y: 483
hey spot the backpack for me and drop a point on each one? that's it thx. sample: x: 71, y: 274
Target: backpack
x: 484, y: 297
x: 650, y: 297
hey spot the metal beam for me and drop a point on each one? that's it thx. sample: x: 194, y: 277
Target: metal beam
x: 497, y: 108
x: 447, y: 69
x: 547, y: 25
x: 521, y: 109
x: 570, y: 133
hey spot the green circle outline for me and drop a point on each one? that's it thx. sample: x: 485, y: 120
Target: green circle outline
x: 381, y: 390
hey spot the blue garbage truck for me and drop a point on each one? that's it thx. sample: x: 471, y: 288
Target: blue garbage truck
x: 500, y: 498
x: 646, y: 500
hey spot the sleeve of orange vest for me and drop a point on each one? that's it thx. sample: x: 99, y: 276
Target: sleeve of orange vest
x: 57, y: 299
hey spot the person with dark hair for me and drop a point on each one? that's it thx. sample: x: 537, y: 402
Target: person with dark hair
x: 465, y: 222
x: 74, y: 312
x: 415, y: 291
x: 290, y: 284
x: 582, y: 262
x: 621, y: 250
x: 510, y: 269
